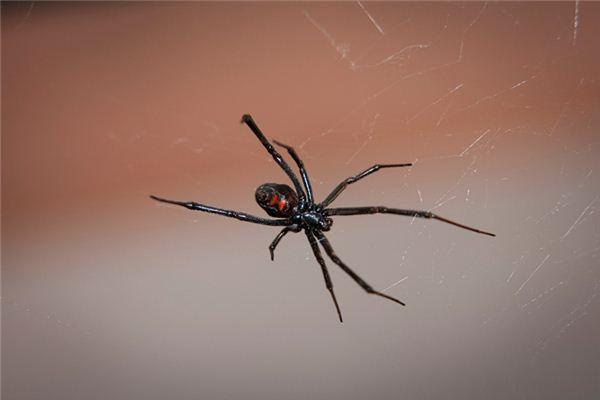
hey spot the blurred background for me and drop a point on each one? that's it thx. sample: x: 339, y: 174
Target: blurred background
x: 109, y: 295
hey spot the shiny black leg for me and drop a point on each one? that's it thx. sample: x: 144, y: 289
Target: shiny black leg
x: 247, y: 119
x: 340, y: 188
x: 294, y: 155
x: 280, y: 236
x: 226, y: 213
x: 321, y: 261
x: 398, y: 211
x: 331, y: 253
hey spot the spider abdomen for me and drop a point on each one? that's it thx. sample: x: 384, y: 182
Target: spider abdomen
x: 277, y: 200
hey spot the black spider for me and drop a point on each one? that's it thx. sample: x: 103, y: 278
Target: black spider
x: 297, y: 211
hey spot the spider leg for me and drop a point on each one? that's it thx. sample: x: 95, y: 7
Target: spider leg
x: 321, y: 261
x: 247, y: 119
x: 226, y: 213
x: 398, y: 211
x: 305, y: 180
x: 331, y: 253
x: 340, y: 188
x: 280, y: 236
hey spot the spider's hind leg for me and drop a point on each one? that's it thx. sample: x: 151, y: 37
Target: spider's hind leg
x: 303, y: 173
x: 280, y: 236
x: 247, y: 119
x: 192, y: 205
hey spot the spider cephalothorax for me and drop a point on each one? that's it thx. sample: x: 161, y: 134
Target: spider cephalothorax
x: 296, y: 211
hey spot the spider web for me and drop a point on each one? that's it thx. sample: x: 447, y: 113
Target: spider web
x: 526, y: 141
x: 495, y: 104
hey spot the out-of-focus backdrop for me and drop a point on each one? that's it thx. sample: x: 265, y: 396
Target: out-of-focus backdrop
x: 109, y: 295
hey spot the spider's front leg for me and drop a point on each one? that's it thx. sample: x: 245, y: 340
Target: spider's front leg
x: 331, y: 253
x: 353, y: 179
x: 280, y: 236
x: 399, y: 211
x: 321, y: 261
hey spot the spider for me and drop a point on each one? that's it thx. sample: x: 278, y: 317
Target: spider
x: 296, y: 210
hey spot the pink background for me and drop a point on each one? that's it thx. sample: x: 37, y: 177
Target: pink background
x: 109, y: 295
